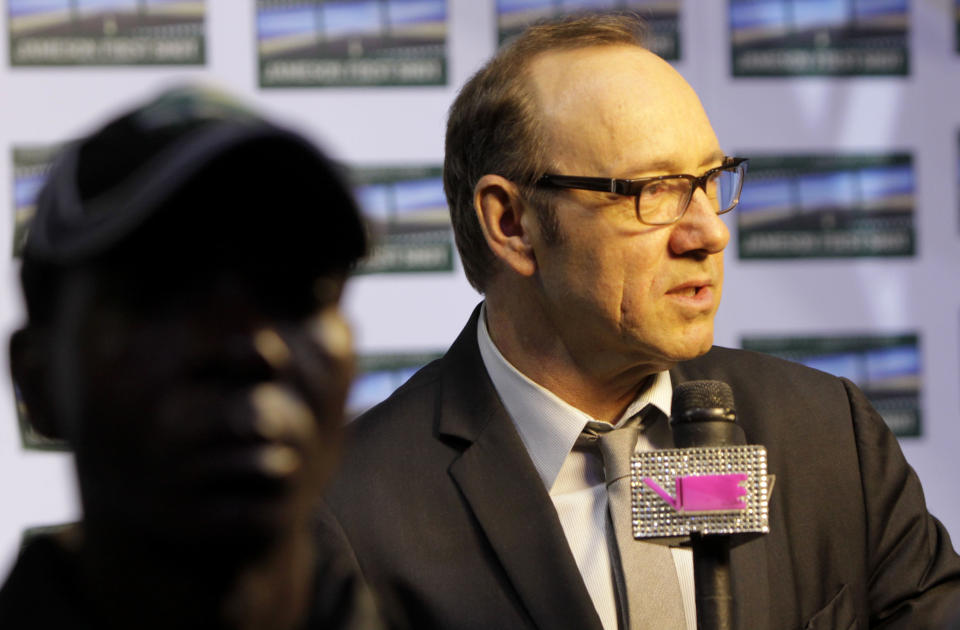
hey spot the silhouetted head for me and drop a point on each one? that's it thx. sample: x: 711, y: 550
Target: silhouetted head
x: 182, y: 278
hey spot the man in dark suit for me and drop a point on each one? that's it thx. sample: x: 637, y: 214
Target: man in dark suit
x: 585, y: 184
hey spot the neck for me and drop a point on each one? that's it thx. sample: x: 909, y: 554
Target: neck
x: 598, y: 383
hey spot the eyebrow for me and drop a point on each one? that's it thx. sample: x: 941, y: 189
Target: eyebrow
x: 716, y: 156
x: 669, y: 165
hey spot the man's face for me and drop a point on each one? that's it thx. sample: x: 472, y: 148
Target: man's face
x: 623, y: 294
x: 209, y: 395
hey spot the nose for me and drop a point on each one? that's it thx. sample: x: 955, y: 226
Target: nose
x: 700, y: 231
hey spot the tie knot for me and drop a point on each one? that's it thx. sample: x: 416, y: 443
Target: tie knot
x: 590, y: 435
x: 616, y: 448
x: 614, y: 445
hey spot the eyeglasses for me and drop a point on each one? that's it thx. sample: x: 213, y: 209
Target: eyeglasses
x: 662, y: 200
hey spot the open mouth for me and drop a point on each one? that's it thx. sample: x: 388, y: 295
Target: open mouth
x: 690, y: 291
x: 695, y: 295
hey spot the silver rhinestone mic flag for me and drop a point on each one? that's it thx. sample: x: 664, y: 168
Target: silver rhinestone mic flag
x: 704, y: 490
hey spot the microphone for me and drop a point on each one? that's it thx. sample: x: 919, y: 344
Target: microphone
x: 720, y: 492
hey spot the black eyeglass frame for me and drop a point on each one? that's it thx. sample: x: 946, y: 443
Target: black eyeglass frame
x: 632, y: 187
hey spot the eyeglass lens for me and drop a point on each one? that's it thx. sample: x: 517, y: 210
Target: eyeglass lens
x: 665, y: 201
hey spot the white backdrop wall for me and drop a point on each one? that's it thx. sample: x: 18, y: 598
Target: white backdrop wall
x: 424, y: 312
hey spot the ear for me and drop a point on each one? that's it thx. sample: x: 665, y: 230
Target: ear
x: 28, y: 366
x: 506, y: 221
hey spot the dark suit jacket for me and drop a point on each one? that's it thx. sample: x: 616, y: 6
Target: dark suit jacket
x: 451, y: 524
x: 46, y: 591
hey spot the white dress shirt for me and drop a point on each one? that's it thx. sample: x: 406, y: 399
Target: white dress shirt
x: 549, y: 427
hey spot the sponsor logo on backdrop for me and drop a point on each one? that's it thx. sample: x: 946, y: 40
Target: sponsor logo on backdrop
x: 662, y: 17
x: 408, y: 214
x: 827, y: 206
x: 321, y: 43
x: 378, y: 375
x: 30, y: 166
x: 885, y: 367
x: 106, y: 32
x: 819, y: 37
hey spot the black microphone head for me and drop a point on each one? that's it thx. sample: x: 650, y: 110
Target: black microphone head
x: 702, y: 400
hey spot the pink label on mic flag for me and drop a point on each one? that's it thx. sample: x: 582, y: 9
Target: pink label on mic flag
x: 705, y: 493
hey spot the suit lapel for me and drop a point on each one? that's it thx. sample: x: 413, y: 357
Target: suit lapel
x: 748, y: 561
x: 506, y: 495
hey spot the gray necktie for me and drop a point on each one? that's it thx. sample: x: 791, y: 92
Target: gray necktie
x: 644, y: 573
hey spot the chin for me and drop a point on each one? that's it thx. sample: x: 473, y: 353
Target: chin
x: 693, y: 346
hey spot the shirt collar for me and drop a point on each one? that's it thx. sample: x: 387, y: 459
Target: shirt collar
x: 549, y: 426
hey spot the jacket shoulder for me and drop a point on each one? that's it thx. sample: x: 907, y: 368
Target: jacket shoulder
x: 383, y: 437
x: 754, y: 373
x: 730, y: 361
x: 414, y: 397
x: 776, y: 397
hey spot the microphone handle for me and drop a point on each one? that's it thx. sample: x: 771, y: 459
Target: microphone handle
x: 711, y: 576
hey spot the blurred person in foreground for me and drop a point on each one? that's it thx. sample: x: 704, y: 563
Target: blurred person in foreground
x: 585, y: 184
x: 182, y: 279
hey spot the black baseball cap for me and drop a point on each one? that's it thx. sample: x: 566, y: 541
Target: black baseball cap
x: 196, y: 158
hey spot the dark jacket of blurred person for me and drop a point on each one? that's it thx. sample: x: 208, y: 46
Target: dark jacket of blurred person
x: 182, y: 279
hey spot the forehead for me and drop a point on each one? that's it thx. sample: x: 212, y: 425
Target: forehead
x: 619, y: 111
